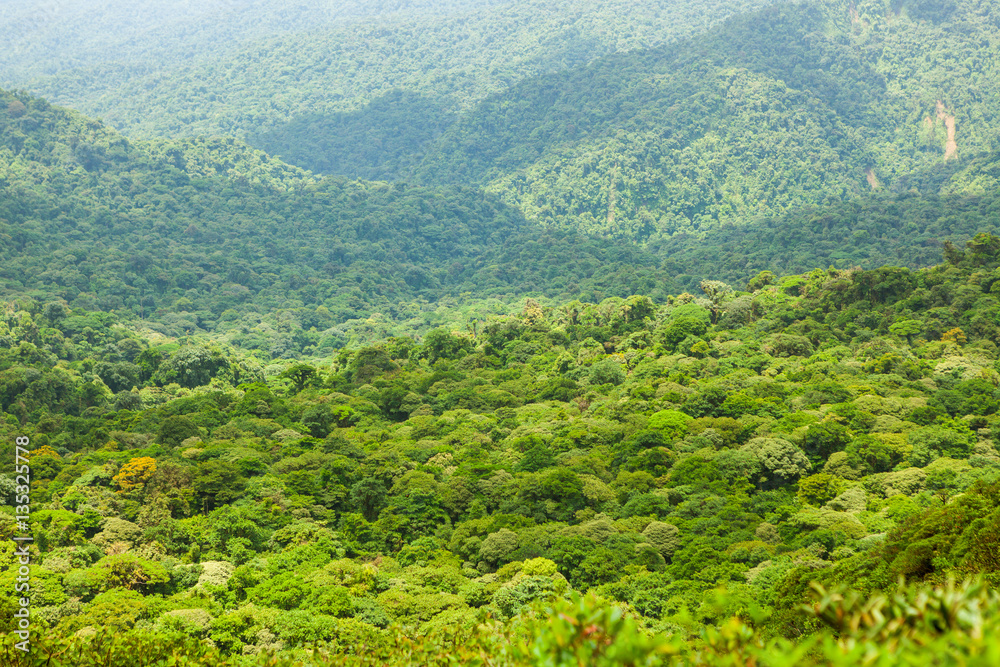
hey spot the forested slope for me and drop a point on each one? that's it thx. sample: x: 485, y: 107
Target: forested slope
x: 573, y: 387
x: 244, y: 68
x: 908, y: 227
x: 638, y: 123
x: 184, y: 231
x: 201, y: 235
x: 798, y: 104
x: 692, y: 461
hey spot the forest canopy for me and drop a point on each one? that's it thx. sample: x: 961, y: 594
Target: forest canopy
x: 834, y: 427
x: 501, y: 333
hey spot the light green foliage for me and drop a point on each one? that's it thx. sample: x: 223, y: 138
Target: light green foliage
x: 672, y: 423
x: 912, y: 622
x: 852, y: 500
x: 110, y: 647
x: 499, y: 546
x: 767, y: 532
x: 906, y: 328
x: 954, y: 620
x: 215, y: 573
x: 119, y: 609
x: 525, y: 588
x: 583, y: 631
x: 906, y: 482
x: 191, y: 621
x: 598, y: 530
x: 824, y: 519
x: 780, y: 460
x: 117, y: 571
x: 534, y: 567
x: 664, y: 537
x: 839, y: 465
x: 597, y: 493
x: 818, y: 489
x: 117, y: 533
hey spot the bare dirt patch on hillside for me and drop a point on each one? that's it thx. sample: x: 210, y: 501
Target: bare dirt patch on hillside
x: 950, y: 145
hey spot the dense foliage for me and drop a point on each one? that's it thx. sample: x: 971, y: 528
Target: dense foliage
x: 955, y: 624
x: 197, y: 232
x: 836, y: 426
x: 799, y: 104
x: 565, y: 388
x: 210, y: 235
x: 907, y: 228
x: 597, y: 120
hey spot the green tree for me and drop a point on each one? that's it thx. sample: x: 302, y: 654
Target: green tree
x: 369, y: 495
x: 818, y: 489
x: 301, y: 375
x: 825, y: 438
x: 442, y: 344
x: 217, y: 483
x: 672, y: 423
x: 176, y: 429
x: 664, y: 537
x: 191, y: 366
x: 498, y: 548
x: 607, y: 371
x: 906, y: 328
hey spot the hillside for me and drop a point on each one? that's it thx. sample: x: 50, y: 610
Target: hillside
x: 187, y: 233
x: 211, y: 235
x: 637, y: 123
x: 240, y: 69
x: 933, y: 207
x: 797, y: 105
x: 145, y: 35
x: 500, y: 334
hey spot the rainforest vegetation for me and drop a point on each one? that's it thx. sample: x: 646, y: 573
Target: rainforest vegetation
x: 695, y: 459
x: 637, y: 121
x: 239, y: 69
x: 204, y: 235
x: 507, y: 334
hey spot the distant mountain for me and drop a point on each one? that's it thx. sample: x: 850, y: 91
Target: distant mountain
x: 593, y: 120
x: 797, y: 105
x: 249, y: 67
x: 55, y: 38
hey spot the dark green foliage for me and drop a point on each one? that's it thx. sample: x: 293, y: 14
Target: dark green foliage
x: 608, y: 371
x: 357, y: 87
x: 869, y: 454
x: 176, y: 429
x: 369, y: 496
x: 681, y: 328
x: 823, y: 439
x: 441, y: 344
x: 205, y: 236
x: 190, y: 366
x: 536, y: 458
x: 217, y: 482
